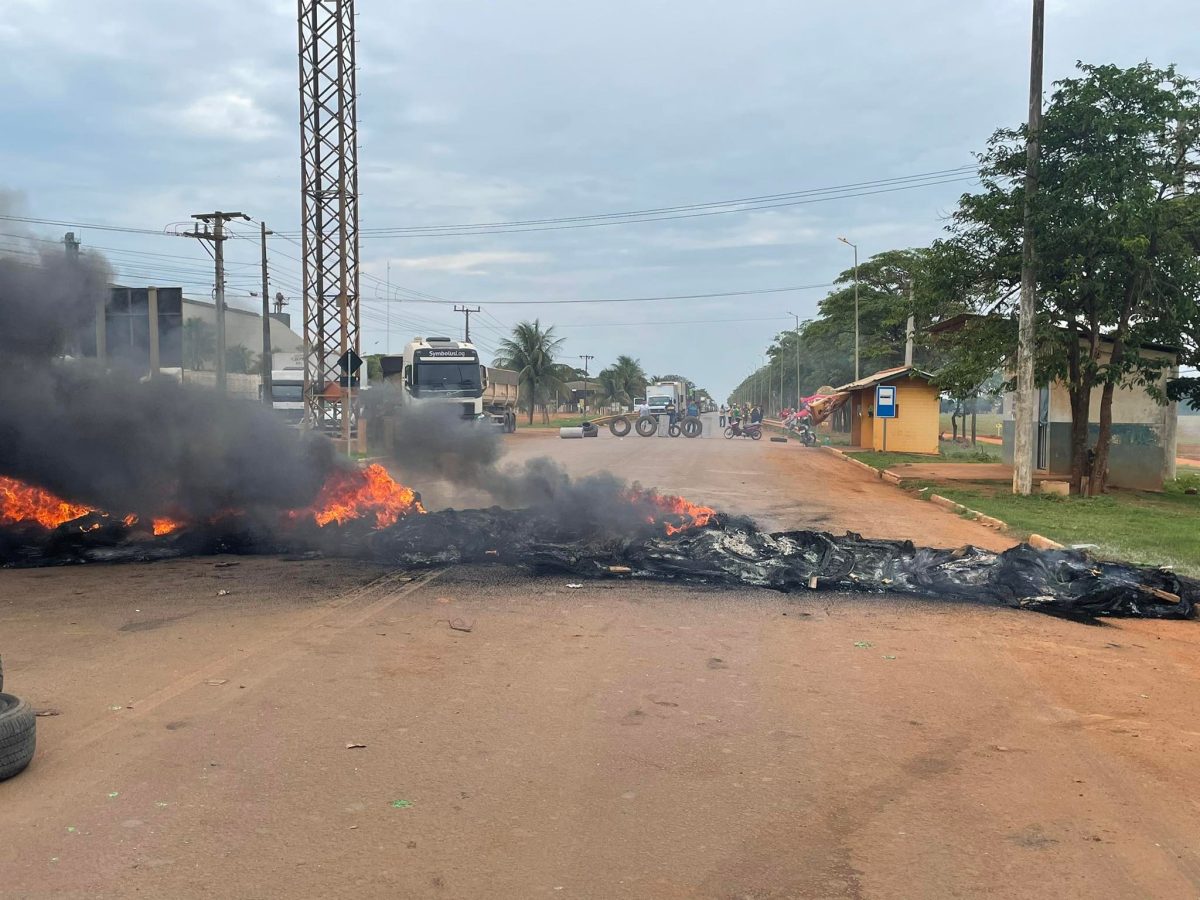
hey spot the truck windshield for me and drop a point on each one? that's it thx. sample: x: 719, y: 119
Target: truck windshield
x: 455, y: 379
x: 287, y: 391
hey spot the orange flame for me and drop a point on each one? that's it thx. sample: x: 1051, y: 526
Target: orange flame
x: 20, y: 502
x: 356, y: 493
x: 686, y: 515
x: 164, y: 525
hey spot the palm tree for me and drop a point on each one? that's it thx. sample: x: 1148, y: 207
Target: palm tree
x: 530, y: 352
x: 623, y: 381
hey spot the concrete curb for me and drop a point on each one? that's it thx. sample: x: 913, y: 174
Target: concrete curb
x: 846, y: 457
x: 1037, y: 541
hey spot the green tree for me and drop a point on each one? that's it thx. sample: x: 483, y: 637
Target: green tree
x: 530, y: 351
x: 240, y: 360
x: 1118, y: 229
x: 199, y: 343
x: 623, y: 381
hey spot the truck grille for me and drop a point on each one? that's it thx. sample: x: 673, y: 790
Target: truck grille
x: 468, y: 410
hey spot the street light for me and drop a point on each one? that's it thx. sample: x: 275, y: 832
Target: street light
x: 855, y: 248
x: 797, y: 318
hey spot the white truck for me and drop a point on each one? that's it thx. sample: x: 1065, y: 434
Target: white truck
x: 287, y: 394
x: 659, y: 395
x: 443, y: 370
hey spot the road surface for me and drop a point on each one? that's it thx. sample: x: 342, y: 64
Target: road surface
x: 616, y: 740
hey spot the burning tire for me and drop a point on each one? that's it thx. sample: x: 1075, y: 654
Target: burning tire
x: 692, y: 427
x: 619, y: 427
x: 17, y: 735
x: 646, y: 426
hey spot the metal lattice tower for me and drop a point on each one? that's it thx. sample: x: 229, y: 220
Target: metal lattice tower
x: 329, y: 207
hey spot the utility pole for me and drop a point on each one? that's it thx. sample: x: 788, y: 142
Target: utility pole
x: 797, y: 318
x: 266, y: 362
x: 218, y: 237
x: 1025, y: 409
x: 466, y: 311
x: 855, y: 248
x: 586, y: 357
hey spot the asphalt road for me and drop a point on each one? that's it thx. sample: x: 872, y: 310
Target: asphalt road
x: 616, y: 740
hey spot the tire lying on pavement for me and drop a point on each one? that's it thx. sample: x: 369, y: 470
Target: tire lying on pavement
x: 17, y: 735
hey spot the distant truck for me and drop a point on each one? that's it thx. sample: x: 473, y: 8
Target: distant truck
x: 659, y: 395
x: 287, y: 395
x: 442, y: 370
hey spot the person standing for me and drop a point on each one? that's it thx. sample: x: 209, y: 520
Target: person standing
x: 721, y: 415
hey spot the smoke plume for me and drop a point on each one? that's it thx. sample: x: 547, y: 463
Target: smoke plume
x: 114, y: 441
x: 431, y: 441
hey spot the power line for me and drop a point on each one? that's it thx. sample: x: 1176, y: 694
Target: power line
x: 692, y: 207
x: 674, y: 322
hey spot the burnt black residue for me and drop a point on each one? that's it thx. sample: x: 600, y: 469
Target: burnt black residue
x: 728, y: 552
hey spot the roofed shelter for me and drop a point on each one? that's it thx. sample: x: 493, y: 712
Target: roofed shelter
x: 915, y: 427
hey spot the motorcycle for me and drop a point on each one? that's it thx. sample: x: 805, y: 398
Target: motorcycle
x: 752, y: 430
x: 802, y: 429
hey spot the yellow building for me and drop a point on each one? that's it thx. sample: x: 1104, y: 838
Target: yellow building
x: 916, y: 425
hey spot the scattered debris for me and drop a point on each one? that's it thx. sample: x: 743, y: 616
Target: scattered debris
x: 401, y: 804
x: 888, y: 656
x: 223, y: 593
x: 461, y: 625
x: 354, y: 746
x: 620, y: 570
x: 574, y: 585
x: 225, y: 565
x: 113, y: 795
x: 863, y: 645
x: 41, y: 713
x: 217, y: 681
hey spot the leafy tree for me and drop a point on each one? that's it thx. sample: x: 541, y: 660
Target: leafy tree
x: 530, y: 351
x: 1118, y: 230
x: 240, y: 360
x: 199, y: 343
x: 374, y: 367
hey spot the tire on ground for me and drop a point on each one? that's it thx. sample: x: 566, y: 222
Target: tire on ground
x: 646, y: 426
x: 692, y: 427
x: 674, y: 430
x: 619, y: 427
x: 17, y: 735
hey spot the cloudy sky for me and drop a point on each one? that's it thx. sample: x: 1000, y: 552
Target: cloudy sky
x: 138, y: 113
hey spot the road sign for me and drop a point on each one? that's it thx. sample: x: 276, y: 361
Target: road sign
x: 885, y: 401
x: 349, y: 362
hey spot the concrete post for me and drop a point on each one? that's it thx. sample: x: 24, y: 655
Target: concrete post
x: 152, y: 303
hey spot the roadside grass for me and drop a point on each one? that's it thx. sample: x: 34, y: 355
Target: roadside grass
x: 1134, y: 526
x: 948, y: 451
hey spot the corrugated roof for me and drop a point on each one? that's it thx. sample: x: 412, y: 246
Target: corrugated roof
x: 885, y: 375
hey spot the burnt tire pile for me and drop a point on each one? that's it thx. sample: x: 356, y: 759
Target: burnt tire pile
x: 18, y: 733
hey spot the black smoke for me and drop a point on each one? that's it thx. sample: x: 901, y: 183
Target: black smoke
x: 111, y: 439
x: 432, y: 442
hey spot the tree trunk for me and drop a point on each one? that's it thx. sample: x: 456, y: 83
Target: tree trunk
x: 532, y: 399
x: 1115, y: 361
x: 954, y: 422
x: 974, y: 421
x: 1103, y: 440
